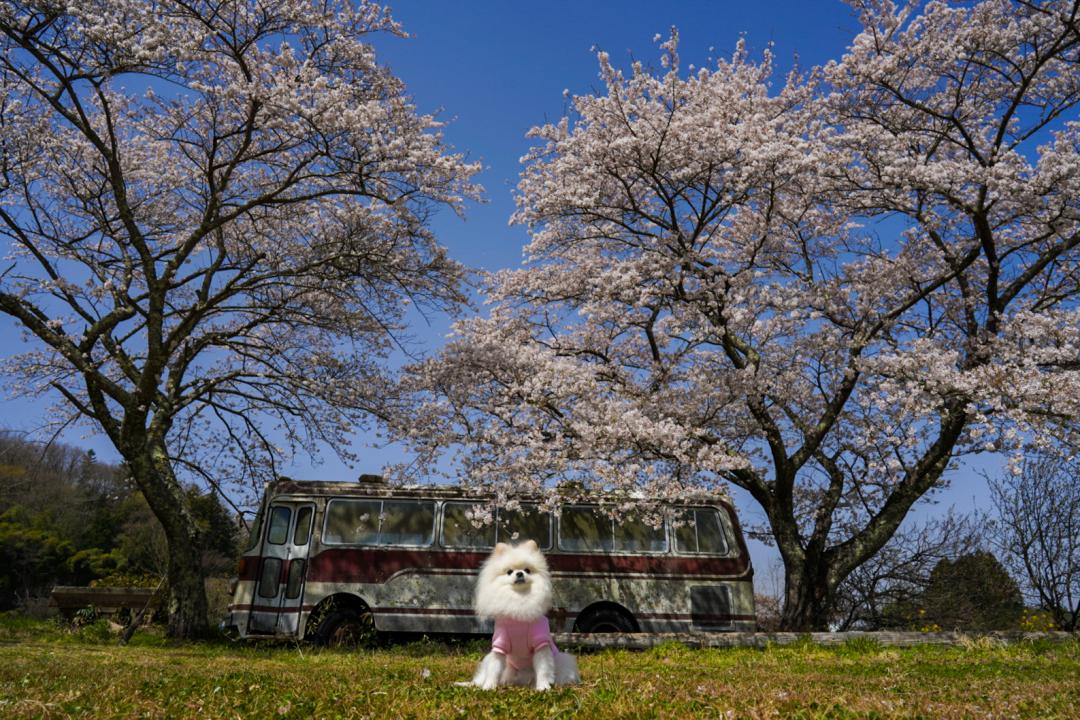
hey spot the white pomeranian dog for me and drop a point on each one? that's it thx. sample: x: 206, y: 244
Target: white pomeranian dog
x: 514, y: 588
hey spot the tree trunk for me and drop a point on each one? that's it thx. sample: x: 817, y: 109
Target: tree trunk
x: 808, y: 597
x: 187, y: 591
x: 187, y: 606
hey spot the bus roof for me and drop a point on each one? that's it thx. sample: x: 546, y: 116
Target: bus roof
x: 375, y: 485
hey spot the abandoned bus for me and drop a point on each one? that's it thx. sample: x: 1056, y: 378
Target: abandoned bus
x: 326, y: 557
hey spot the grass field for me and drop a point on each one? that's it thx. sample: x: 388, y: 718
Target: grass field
x: 46, y: 672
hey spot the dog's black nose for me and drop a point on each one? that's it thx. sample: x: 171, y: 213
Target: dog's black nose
x: 519, y: 577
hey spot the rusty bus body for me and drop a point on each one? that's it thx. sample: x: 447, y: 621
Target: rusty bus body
x: 327, y: 556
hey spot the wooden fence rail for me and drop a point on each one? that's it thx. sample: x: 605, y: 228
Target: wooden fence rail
x: 642, y: 641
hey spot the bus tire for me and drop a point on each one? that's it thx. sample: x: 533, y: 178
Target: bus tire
x: 606, y: 620
x: 346, y: 628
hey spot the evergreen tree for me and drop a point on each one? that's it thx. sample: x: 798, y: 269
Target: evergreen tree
x: 972, y: 592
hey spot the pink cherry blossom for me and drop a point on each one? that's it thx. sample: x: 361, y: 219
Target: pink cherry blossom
x: 823, y: 290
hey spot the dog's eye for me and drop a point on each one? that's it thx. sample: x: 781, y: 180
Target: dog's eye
x: 527, y: 571
x: 509, y: 572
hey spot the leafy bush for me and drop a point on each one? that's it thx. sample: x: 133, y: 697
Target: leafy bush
x: 96, y: 632
x: 91, y: 563
x: 85, y: 616
x: 29, y: 556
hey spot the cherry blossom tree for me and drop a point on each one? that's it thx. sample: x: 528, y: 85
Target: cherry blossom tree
x: 217, y: 215
x: 823, y: 292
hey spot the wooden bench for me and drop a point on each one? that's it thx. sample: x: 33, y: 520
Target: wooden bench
x: 69, y: 599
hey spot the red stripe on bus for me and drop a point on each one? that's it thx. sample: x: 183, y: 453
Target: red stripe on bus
x: 248, y: 569
x: 376, y: 565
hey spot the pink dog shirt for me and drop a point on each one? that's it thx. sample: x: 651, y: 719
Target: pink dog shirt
x: 519, y: 639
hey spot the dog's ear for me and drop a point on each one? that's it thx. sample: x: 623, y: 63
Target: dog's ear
x: 532, y: 546
x: 500, y: 548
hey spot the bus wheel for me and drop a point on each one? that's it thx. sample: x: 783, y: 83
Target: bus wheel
x: 346, y: 628
x: 606, y: 620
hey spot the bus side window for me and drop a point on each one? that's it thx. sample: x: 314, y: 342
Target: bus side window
x: 701, y: 531
x: 407, y: 522
x: 302, y: 531
x: 527, y: 523
x: 585, y: 528
x: 458, y: 530
x: 635, y: 535
x: 279, y: 525
x: 352, y: 522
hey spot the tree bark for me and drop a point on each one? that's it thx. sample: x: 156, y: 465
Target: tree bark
x: 186, y: 603
x: 187, y: 593
x: 809, y: 595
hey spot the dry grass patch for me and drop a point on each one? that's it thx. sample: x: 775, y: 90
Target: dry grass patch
x: 52, y: 675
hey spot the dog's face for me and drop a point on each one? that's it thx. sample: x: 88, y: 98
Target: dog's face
x: 514, y: 583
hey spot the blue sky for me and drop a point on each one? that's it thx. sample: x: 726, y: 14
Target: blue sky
x: 494, y: 69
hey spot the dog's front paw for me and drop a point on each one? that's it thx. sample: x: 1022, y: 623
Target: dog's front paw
x: 543, y: 685
x: 489, y: 683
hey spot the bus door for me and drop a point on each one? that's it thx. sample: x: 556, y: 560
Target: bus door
x: 279, y: 591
